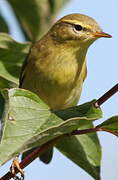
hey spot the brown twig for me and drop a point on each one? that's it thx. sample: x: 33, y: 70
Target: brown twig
x: 106, y: 96
x: 92, y: 130
x: 33, y: 155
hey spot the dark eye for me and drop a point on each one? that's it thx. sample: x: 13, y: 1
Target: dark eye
x: 78, y: 27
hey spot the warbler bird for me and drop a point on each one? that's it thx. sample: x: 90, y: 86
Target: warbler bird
x: 55, y: 68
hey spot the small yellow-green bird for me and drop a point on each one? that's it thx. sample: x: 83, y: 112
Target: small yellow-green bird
x: 55, y: 68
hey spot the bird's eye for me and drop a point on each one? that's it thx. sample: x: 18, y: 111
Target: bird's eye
x: 78, y: 27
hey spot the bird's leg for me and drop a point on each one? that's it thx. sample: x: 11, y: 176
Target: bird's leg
x: 16, y: 165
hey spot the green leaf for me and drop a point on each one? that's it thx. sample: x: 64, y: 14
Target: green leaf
x: 4, y: 83
x: 56, y: 5
x: 28, y: 123
x: 1, y: 108
x: 84, y: 150
x: 85, y: 110
x: 3, y: 25
x: 38, y: 17
x: 110, y: 125
x: 12, y: 55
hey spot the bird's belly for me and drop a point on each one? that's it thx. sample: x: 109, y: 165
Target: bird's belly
x: 56, y: 95
x: 59, y: 87
x: 60, y: 98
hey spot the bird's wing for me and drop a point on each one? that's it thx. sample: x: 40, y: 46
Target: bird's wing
x: 22, y: 73
x: 84, y: 70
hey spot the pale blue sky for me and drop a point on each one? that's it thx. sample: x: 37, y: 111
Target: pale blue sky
x: 102, y: 62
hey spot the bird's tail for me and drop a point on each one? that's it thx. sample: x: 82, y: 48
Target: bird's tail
x: 45, y: 157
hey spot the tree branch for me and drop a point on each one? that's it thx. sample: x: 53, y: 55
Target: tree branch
x: 33, y: 155
x: 106, y: 96
x: 93, y: 130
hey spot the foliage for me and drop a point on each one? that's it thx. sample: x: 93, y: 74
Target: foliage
x: 26, y: 121
x: 38, y: 17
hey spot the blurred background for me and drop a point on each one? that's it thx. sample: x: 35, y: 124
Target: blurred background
x: 102, y: 60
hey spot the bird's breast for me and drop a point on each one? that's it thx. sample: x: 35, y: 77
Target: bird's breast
x: 59, y: 83
x: 57, y: 80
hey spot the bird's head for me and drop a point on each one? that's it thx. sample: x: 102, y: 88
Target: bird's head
x: 77, y: 28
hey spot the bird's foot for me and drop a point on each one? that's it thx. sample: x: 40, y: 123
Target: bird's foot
x: 16, y: 167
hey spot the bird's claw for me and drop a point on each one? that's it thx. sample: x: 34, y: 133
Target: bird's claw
x: 16, y: 166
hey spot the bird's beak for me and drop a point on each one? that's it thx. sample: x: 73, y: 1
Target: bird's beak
x: 102, y: 34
